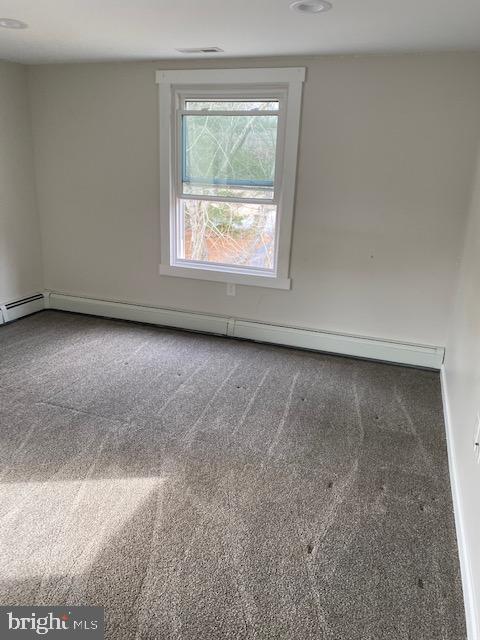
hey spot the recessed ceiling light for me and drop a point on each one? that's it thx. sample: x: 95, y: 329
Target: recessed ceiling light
x: 11, y: 23
x: 310, y: 6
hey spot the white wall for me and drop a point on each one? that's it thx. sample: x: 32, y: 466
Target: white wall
x: 462, y: 385
x: 386, y: 156
x: 20, y: 255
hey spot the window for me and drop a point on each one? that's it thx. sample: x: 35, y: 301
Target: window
x: 228, y: 153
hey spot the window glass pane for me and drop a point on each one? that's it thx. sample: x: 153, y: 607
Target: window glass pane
x: 236, y: 152
x: 227, y: 233
x: 231, y: 105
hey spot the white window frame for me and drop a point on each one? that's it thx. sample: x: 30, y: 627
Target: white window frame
x: 283, y: 84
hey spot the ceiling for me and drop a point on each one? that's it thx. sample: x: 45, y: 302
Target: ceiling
x: 94, y: 30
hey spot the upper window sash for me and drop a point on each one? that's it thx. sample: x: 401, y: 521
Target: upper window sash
x: 181, y: 97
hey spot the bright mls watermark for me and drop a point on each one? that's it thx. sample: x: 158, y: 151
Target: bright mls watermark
x: 24, y: 623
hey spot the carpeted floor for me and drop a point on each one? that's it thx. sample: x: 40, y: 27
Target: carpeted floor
x: 202, y: 488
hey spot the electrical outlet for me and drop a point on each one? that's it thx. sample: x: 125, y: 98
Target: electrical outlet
x: 476, y: 440
x: 231, y: 289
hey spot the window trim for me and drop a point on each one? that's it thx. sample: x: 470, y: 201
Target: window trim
x: 225, y: 82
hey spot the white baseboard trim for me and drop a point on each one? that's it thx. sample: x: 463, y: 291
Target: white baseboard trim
x: 138, y: 313
x: 16, y: 309
x: 471, y: 616
x: 370, y: 348
x: 360, y: 347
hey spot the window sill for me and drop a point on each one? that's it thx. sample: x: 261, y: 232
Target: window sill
x: 214, y: 275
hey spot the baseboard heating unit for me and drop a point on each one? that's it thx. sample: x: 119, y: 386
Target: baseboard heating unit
x: 23, y: 307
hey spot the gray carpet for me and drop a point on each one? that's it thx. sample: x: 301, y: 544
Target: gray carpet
x: 202, y: 488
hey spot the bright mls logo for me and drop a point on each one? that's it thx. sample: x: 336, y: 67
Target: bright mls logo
x: 24, y: 623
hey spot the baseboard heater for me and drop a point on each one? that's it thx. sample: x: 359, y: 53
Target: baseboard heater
x: 23, y: 307
x: 425, y: 356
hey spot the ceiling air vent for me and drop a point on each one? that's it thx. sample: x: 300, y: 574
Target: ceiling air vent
x: 200, y: 50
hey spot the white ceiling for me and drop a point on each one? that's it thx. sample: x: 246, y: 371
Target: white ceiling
x: 75, y: 30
